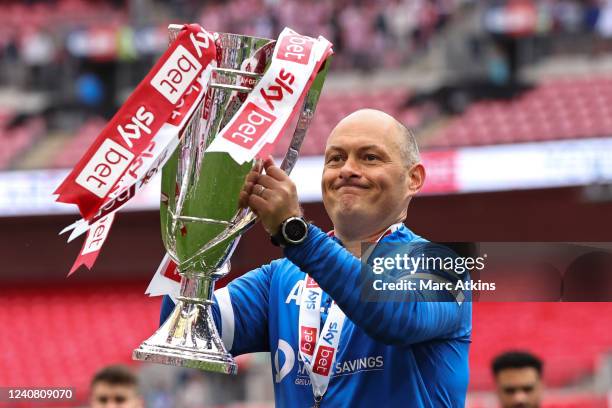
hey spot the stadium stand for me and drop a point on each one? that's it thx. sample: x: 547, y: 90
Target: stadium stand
x: 17, y: 139
x: 16, y: 15
x: 67, y: 334
x: 569, y: 108
x: 101, y: 326
x: 74, y: 148
x: 546, y: 329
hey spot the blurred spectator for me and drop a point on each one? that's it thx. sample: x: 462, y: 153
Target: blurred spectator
x: 193, y: 391
x: 115, y: 386
x: 518, y: 376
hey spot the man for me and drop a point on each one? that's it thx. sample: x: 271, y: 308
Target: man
x: 384, y: 353
x: 518, y: 377
x: 115, y: 387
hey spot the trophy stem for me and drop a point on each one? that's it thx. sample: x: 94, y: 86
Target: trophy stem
x: 197, y: 287
x: 189, y: 337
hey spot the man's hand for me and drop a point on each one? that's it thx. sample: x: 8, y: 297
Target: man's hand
x: 272, y: 196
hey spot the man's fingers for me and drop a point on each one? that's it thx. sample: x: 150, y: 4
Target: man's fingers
x: 255, y: 172
x: 257, y: 204
x: 248, y: 187
x: 268, y: 182
x: 251, y: 177
x: 259, y: 165
x: 273, y: 170
x: 243, y: 199
x: 267, y: 162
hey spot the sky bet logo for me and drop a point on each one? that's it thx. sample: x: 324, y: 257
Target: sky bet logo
x: 104, y: 168
x: 249, y: 126
x: 176, y: 74
x: 295, y: 48
x: 323, y: 360
x: 311, y: 299
x: 309, y: 338
x: 332, y: 331
x: 111, y: 159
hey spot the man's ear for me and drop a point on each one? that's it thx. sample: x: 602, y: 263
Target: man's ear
x: 415, y: 179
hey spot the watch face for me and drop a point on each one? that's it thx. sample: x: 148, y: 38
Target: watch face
x: 295, y: 230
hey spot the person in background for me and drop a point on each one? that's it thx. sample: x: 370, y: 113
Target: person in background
x: 518, y: 379
x: 115, y: 386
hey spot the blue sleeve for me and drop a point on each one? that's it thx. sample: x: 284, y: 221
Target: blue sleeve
x: 240, y: 311
x: 166, y: 308
x: 407, y: 321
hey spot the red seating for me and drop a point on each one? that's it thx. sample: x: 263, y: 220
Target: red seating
x: 60, y: 337
x: 559, y: 109
x: 334, y: 105
x: 570, y: 337
x: 18, y: 16
x: 17, y: 140
x: 77, y: 146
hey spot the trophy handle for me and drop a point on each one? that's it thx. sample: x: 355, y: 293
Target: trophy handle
x: 305, y: 118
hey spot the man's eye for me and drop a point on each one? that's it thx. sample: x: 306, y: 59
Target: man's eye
x: 334, y: 159
x: 371, y: 157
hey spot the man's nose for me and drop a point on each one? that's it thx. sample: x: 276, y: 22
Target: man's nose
x: 350, y: 169
x: 520, y: 397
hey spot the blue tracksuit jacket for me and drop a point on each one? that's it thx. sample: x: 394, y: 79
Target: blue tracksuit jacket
x: 396, y: 353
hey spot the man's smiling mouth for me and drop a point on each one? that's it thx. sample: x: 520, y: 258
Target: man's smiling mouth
x: 351, y: 189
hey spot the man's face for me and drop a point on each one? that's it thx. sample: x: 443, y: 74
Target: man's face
x: 365, y: 177
x: 519, y: 388
x: 104, y: 395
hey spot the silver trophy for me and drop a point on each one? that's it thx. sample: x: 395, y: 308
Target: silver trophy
x: 200, y: 218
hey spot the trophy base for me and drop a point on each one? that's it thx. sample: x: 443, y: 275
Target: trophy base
x: 188, y: 338
x: 207, y: 361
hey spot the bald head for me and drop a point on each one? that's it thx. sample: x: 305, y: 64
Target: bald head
x: 373, y: 121
x: 371, y: 172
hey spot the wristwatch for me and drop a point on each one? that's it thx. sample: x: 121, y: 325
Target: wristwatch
x: 292, y: 231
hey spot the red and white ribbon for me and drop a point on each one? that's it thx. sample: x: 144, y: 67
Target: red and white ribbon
x: 275, y: 100
x: 149, y: 163
x: 96, y: 236
x: 141, y: 137
x: 319, y: 351
x: 166, y: 280
x: 163, y: 99
x: 143, y: 134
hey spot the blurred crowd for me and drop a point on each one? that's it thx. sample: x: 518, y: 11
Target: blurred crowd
x: 364, y: 33
x: 43, y: 35
x: 549, y: 16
